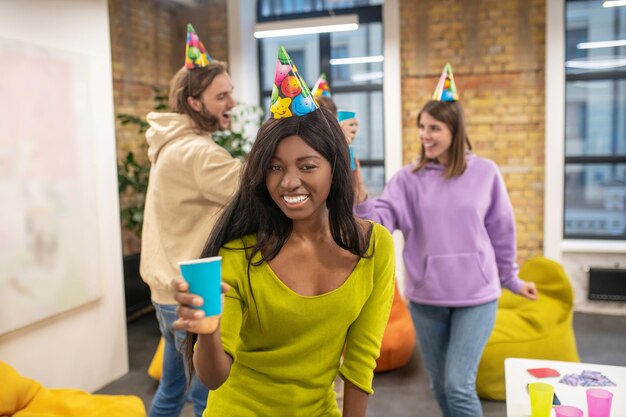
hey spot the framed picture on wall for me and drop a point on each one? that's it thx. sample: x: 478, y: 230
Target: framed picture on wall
x: 48, y: 212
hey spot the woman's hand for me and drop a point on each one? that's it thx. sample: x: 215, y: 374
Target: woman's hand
x: 528, y: 290
x: 192, y: 319
x: 350, y: 127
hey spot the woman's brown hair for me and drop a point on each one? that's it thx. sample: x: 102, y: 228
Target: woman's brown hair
x: 192, y: 83
x: 327, y: 102
x: 451, y: 114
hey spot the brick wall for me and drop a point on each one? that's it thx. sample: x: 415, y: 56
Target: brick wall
x: 147, y: 48
x: 211, y: 24
x: 496, y: 49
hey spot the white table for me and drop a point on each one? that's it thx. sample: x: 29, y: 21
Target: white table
x: 516, y: 378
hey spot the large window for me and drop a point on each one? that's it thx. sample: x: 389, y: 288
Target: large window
x: 595, y: 121
x: 274, y: 8
x: 354, y: 86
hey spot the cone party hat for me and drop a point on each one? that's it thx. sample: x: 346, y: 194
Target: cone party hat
x: 196, y: 55
x: 290, y: 94
x: 321, y: 87
x: 446, y: 88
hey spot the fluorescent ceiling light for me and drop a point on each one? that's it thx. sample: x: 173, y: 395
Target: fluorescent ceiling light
x: 293, y: 27
x: 614, y: 3
x: 599, y: 64
x: 357, y: 60
x: 591, y: 86
x: 602, y: 44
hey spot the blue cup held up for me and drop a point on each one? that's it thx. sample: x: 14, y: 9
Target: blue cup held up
x: 345, y: 114
x: 341, y: 116
x: 352, y: 162
x: 204, y: 277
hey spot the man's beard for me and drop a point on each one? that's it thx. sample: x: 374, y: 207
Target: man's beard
x: 210, y: 118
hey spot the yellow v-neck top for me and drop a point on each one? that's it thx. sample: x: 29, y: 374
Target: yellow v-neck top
x: 286, y: 357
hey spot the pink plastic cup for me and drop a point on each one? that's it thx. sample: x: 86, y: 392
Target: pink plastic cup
x: 568, y: 411
x: 599, y: 402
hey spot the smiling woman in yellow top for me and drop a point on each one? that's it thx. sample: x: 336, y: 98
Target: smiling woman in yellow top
x: 285, y: 359
x: 306, y: 280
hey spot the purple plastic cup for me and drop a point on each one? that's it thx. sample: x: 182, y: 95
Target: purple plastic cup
x: 599, y: 402
x: 568, y: 411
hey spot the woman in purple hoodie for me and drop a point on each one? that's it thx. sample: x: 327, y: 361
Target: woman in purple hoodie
x: 459, y: 231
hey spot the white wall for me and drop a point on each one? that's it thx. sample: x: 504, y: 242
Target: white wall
x: 576, y: 262
x: 84, y: 348
x: 392, y: 96
x: 575, y: 256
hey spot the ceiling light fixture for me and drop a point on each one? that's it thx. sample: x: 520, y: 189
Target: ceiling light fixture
x: 614, y: 3
x: 596, y: 85
x: 335, y: 23
x: 595, y: 65
x: 357, y: 60
x: 601, y: 44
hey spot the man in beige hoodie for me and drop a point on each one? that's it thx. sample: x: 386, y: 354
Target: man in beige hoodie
x: 191, y: 180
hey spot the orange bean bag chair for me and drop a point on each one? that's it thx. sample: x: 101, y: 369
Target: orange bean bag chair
x: 25, y: 397
x: 399, y: 338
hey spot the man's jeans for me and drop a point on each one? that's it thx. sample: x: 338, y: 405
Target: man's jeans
x: 171, y: 395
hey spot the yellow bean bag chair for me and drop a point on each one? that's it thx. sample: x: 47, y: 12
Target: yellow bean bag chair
x: 539, y: 329
x: 25, y: 397
x: 156, y: 364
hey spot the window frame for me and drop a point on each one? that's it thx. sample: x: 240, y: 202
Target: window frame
x: 581, y: 159
x: 367, y: 14
x: 554, y: 245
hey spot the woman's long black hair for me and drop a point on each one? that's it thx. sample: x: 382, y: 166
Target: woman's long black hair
x: 252, y: 210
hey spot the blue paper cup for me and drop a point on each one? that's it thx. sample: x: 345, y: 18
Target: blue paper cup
x: 341, y: 116
x: 352, y: 161
x: 204, y: 277
x: 345, y: 114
